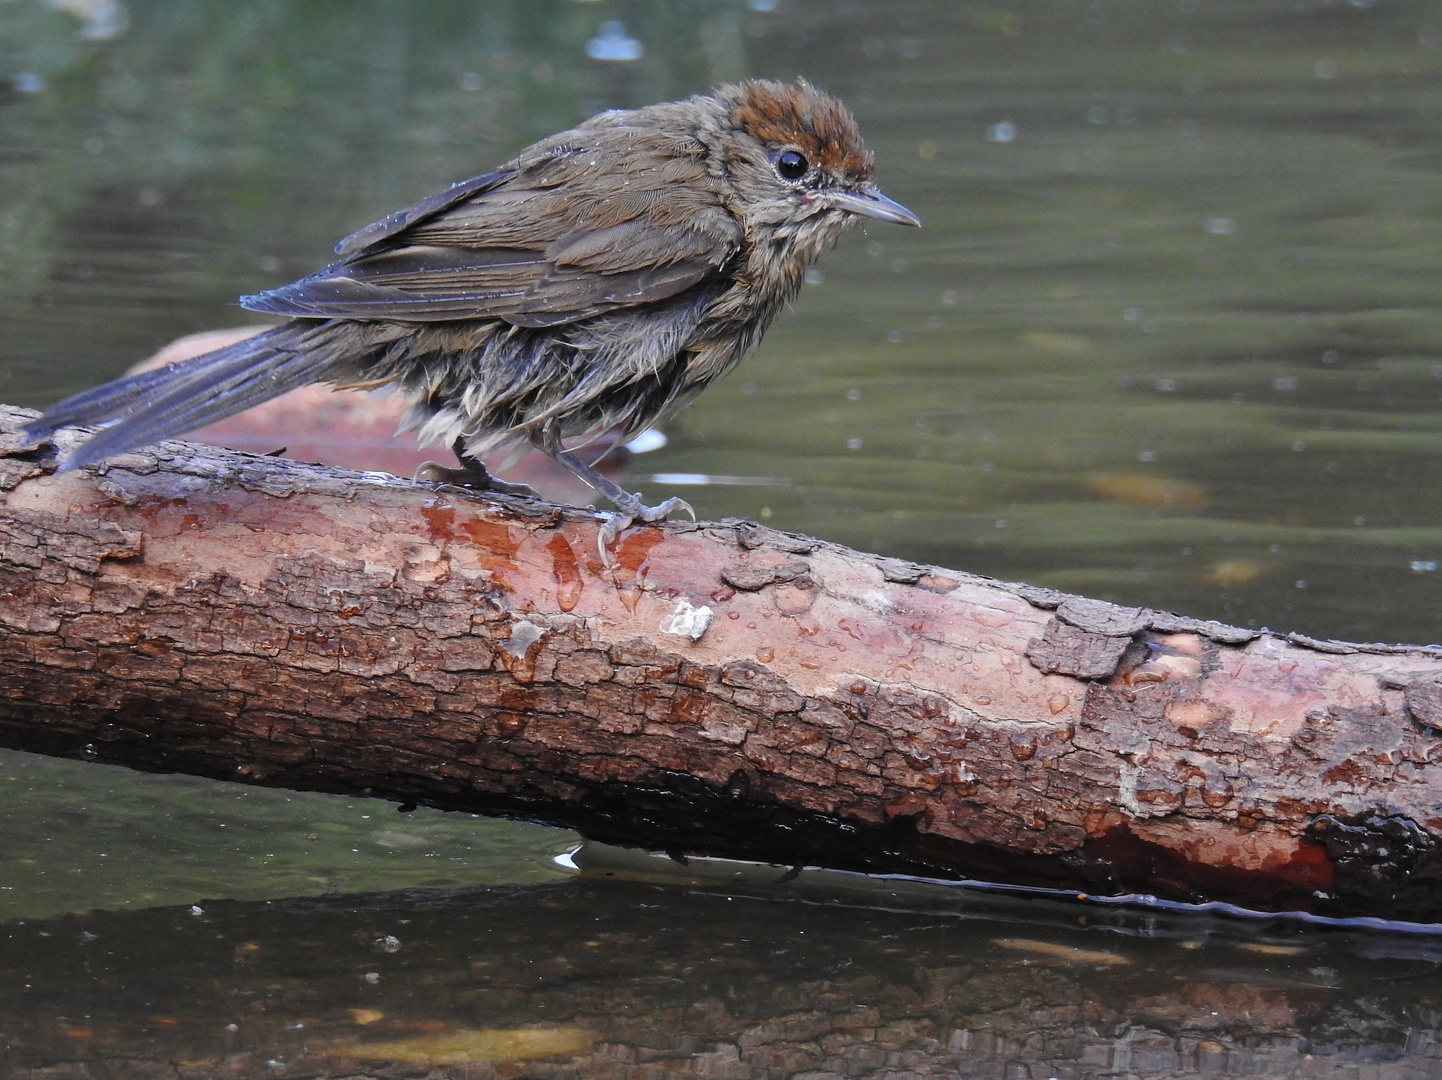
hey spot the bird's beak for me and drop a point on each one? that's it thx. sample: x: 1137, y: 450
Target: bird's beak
x: 871, y: 203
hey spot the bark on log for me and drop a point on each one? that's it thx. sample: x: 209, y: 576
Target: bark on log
x: 725, y: 689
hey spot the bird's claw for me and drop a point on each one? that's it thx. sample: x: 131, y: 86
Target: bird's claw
x: 432, y: 472
x: 661, y: 511
x: 620, y: 520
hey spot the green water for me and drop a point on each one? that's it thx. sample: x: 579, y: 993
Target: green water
x: 1169, y: 335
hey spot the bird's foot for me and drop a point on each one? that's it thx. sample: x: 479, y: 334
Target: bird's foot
x: 629, y: 507
x: 472, y: 476
x: 630, y: 511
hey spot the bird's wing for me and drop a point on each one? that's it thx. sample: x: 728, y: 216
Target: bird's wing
x: 573, y: 234
x: 428, y: 207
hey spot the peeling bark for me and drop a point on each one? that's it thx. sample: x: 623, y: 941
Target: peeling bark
x: 724, y: 689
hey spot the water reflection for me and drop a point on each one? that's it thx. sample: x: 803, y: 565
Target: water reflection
x: 605, y: 977
x: 612, y: 42
x: 80, y: 836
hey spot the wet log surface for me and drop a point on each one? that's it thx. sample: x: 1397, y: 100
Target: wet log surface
x: 581, y: 980
x: 722, y: 689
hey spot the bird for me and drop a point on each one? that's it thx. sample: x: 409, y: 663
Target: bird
x: 597, y: 281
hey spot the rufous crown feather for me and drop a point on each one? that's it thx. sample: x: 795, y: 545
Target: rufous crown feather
x: 798, y: 113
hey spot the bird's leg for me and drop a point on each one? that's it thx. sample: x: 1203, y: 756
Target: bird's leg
x: 472, y: 474
x: 629, y: 507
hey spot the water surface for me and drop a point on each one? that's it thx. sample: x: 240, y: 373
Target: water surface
x: 1169, y: 336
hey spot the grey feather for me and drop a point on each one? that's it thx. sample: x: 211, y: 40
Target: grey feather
x: 418, y: 211
x: 155, y: 405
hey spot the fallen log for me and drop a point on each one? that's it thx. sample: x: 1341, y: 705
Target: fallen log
x: 722, y: 689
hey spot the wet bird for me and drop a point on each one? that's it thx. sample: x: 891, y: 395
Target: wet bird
x: 599, y: 280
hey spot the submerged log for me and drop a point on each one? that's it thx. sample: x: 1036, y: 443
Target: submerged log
x: 722, y: 689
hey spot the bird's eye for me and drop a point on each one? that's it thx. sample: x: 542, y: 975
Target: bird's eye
x: 792, y: 165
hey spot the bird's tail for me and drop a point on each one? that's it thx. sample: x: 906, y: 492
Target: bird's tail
x: 142, y: 409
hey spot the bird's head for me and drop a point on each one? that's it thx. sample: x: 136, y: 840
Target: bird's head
x: 799, y: 166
